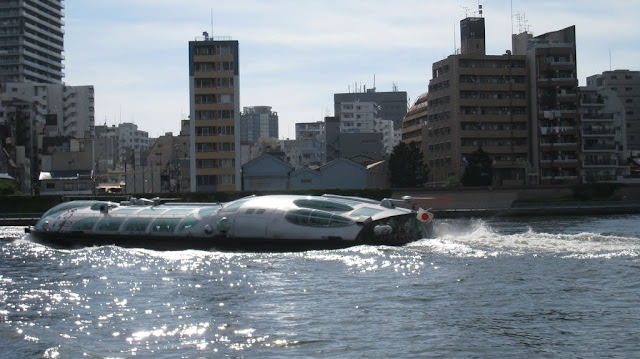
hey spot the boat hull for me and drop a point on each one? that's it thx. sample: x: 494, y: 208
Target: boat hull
x: 163, y: 243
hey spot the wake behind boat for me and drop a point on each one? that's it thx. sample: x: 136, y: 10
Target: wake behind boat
x: 278, y: 222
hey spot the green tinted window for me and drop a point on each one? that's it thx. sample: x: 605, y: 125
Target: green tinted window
x: 126, y: 210
x: 136, y: 224
x: 207, y: 211
x: 68, y: 205
x: 84, y: 224
x: 187, y: 223
x: 185, y: 210
x: 365, y: 212
x: 109, y: 224
x: 316, y: 218
x: 323, y: 204
x: 151, y: 211
x: 164, y: 225
x: 233, y: 206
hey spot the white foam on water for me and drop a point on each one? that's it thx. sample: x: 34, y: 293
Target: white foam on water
x: 479, y: 239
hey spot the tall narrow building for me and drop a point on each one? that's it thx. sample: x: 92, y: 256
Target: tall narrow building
x: 477, y: 101
x: 553, y: 81
x: 214, y: 98
x: 31, y: 41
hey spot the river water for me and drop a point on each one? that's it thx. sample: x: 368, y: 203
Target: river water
x: 544, y: 287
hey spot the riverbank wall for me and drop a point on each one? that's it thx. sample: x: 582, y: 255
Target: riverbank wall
x: 533, y: 201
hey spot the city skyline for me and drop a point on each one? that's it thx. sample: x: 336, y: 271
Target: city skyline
x: 137, y: 58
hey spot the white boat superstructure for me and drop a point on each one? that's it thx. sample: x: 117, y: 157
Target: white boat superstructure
x: 255, y: 222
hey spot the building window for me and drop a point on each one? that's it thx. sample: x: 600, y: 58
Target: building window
x: 227, y: 179
x: 226, y: 98
x: 205, y: 147
x: 205, y: 180
x: 227, y: 163
x: 206, y: 163
x: 205, y: 131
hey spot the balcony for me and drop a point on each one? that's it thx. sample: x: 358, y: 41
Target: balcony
x: 557, y: 130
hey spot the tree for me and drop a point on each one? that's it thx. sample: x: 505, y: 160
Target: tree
x: 407, y: 167
x: 479, y: 170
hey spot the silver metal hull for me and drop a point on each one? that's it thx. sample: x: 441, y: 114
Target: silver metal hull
x: 276, y: 222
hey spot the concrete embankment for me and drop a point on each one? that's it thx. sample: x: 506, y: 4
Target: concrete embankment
x: 513, y: 202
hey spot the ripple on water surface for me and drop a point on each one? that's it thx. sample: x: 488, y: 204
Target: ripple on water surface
x: 526, y: 287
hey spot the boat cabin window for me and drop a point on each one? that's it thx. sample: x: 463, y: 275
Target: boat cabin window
x: 179, y: 211
x: 151, y: 211
x: 365, y: 212
x: 207, y: 211
x: 69, y: 205
x: 84, y: 224
x: 125, y: 210
x: 136, y: 225
x: 187, y: 223
x: 233, y: 206
x: 316, y: 218
x: 164, y: 225
x: 323, y: 204
x: 109, y: 223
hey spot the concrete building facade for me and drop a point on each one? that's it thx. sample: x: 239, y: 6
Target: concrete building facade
x: 31, y: 41
x: 257, y: 122
x: 389, y: 105
x: 415, y: 120
x: 214, y: 93
x: 553, y: 103
x: 362, y: 117
x: 603, y: 153
x: 310, y: 145
x: 626, y: 85
x: 478, y: 101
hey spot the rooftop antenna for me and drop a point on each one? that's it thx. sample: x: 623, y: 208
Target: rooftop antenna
x: 211, y: 21
x: 455, y: 44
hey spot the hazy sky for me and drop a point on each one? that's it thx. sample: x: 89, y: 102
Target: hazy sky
x: 294, y: 55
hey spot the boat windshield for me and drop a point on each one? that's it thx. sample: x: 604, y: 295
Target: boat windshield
x: 323, y: 204
x: 69, y: 205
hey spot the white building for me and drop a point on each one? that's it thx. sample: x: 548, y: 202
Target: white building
x: 310, y: 145
x: 362, y: 117
x: 61, y: 110
x: 131, y: 143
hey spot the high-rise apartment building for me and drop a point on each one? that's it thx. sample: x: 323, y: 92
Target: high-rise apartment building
x: 625, y: 84
x: 553, y: 100
x: 214, y: 96
x: 477, y: 101
x: 31, y: 41
x: 257, y: 122
x: 603, y: 152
